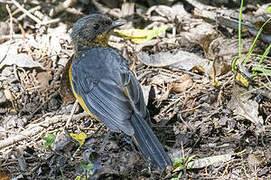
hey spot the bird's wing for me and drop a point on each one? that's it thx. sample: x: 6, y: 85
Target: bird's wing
x: 111, y: 92
x: 133, y: 91
x: 112, y: 98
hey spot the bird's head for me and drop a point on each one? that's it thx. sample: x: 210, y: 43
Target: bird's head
x: 93, y: 30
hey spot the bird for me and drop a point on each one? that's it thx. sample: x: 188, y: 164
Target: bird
x: 108, y: 90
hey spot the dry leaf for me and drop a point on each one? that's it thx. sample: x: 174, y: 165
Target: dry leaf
x: 159, y: 80
x: 242, y: 105
x: 207, y: 161
x: 142, y: 35
x: 182, y: 84
x: 179, y: 60
x: 43, y: 78
x: 8, y: 94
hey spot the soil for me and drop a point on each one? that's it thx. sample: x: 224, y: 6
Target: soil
x: 212, y: 124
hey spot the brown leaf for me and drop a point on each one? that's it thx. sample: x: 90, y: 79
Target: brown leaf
x: 8, y: 94
x: 182, y: 84
x: 65, y: 86
x: 44, y: 78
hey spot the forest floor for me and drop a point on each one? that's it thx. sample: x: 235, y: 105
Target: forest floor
x: 211, y: 113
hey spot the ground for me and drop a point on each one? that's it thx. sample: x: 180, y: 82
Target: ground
x: 211, y: 113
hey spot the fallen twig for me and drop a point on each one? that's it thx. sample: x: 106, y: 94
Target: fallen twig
x: 27, y: 12
x: 34, y: 129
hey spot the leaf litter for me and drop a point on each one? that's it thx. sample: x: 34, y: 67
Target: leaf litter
x: 177, y: 69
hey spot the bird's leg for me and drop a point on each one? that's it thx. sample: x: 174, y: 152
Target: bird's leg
x: 72, y: 112
x: 105, y: 142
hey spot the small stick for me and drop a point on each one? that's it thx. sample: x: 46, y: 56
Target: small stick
x: 26, y: 12
x: 10, y: 23
x: 30, y: 11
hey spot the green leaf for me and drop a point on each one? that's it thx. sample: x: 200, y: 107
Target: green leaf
x: 49, y: 140
x: 156, y: 31
x: 178, y: 162
x: 86, y: 166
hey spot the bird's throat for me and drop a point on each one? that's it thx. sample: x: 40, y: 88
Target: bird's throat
x: 100, y: 40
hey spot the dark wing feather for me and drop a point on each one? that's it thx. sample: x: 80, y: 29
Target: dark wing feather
x: 134, y: 93
x: 112, y: 93
x: 100, y: 86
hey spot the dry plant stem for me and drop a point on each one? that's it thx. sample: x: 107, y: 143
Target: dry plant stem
x: 169, y: 105
x: 29, y: 132
x: 34, y: 129
x: 105, y: 142
x: 10, y: 23
x: 26, y: 12
x: 185, y: 123
x: 74, y: 11
x: 190, y: 109
x: 15, y: 36
x: 219, y: 98
x: 39, y: 108
x: 11, y: 34
x: 106, y: 10
x: 30, y: 11
x: 100, y: 7
x: 61, y: 7
x: 52, y: 21
x: 72, y: 113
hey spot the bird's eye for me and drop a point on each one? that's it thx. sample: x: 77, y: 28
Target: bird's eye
x: 96, y: 26
x: 108, y: 22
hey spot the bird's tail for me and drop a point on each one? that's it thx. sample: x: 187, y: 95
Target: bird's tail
x: 148, y: 143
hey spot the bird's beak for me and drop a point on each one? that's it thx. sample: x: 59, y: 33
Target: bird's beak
x: 113, y: 26
x: 117, y: 24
